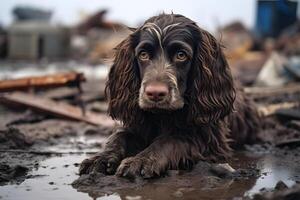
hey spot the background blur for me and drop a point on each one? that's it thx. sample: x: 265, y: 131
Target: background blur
x: 54, y: 60
x: 208, y: 13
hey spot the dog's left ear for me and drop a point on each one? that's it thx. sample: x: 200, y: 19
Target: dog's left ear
x: 212, y: 90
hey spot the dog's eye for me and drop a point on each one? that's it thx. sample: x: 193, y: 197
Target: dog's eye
x: 180, y: 56
x: 144, y: 56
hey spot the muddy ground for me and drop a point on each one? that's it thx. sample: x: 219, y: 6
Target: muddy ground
x: 40, y: 156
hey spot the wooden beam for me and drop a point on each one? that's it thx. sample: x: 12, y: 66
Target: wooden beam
x: 49, y: 81
x: 266, y: 110
x: 58, y: 109
x: 259, y: 92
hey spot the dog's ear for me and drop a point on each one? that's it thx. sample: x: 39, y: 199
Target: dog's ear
x: 122, y: 86
x: 212, y: 91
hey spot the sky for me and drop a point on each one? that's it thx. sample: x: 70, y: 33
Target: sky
x: 208, y: 13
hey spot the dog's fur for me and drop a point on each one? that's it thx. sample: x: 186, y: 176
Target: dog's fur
x: 194, y: 121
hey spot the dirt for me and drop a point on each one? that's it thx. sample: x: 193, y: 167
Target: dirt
x: 56, y: 177
x: 197, y: 182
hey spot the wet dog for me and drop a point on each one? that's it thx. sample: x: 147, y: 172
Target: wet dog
x: 172, y: 89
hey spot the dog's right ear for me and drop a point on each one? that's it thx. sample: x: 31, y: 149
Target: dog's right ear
x: 122, y: 87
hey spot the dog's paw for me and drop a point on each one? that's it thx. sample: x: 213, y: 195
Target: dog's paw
x: 139, y: 167
x: 106, y: 163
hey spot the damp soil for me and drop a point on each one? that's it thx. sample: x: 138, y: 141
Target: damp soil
x: 55, y: 176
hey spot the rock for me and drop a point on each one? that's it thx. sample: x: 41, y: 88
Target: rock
x: 178, y: 194
x: 284, y: 194
x: 7, y: 173
x: 13, y: 138
x: 222, y: 170
x: 280, y: 185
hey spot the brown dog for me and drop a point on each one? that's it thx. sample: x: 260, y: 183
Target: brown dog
x: 171, y: 87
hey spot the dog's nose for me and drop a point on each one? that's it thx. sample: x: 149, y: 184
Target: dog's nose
x: 156, y: 91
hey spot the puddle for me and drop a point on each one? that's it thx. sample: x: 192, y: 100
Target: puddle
x: 52, y: 179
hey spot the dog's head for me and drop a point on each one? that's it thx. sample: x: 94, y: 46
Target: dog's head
x: 169, y: 64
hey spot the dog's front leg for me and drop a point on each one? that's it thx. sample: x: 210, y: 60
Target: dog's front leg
x: 166, y: 152
x: 121, y: 144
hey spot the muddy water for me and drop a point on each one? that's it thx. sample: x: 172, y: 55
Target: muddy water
x: 52, y: 179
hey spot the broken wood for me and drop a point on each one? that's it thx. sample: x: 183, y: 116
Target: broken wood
x: 58, y: 109
x: 258, y: 92
x: 50, y: 81
x: 266, y: 110
x: 288, y: 113
x: 291, y: 143
x: 46, y: 153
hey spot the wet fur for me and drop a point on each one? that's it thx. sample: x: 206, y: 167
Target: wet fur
x: 205, y: 128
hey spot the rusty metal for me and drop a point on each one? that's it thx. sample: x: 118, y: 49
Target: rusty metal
x: 71, y: 79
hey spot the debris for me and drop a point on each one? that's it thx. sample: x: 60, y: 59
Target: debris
x: 100, y: 38
x: 247, y: 67
x: 25, y: 13
x: 97, y: 21
x: 237, y: 39
x: 273, y: 73
x: 54, y: 108
x: 279, y: 70
x: 292, y: 193
x: 270, y: 109
x: 34, y: 40
x: 294, y: 124
x: 103, y: 49
x: 57, y: 80
x: 289, y: 40
x: 293, y: 66
x: 291, y: 143
x: 288, y: 113
x: 257, y: 92
x: 46, y: 153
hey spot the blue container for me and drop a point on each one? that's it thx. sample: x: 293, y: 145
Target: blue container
x: 274, y: 16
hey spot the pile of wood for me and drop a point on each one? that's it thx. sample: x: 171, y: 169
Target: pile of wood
x: 36, y: 93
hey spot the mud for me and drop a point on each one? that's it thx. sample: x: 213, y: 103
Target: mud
x: 198, y: 182
x: 14, y: 168
x: 56, y: 177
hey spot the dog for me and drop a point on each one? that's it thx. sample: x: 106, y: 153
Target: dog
x: 171, y: 87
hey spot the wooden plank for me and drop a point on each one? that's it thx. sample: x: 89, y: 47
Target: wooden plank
x: 271, y: 91
x: 49, y: 81
x: 58, y: 109
x: 266, y: 110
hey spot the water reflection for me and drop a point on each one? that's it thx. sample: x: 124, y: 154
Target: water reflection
x: 52, y: 179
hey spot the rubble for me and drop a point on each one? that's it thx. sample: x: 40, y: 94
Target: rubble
x: 26, y: 13
x: 96, y: 37
x: 278, y: 71
x: 33, y: 40
x: 280, y: 194
x: 237, y: 39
